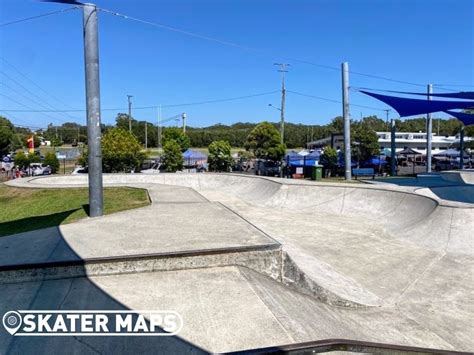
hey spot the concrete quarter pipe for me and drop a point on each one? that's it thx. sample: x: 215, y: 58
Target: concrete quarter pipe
x: 253, y: 262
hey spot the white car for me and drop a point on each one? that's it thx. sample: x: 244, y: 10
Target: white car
x: 39, y: 169
x: 80, y: 170
x: 155, y: 169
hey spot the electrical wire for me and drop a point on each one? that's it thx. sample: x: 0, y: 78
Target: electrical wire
x: 156, y: 106
x: 333, y: 100
x: 42, y: 102
x: 38, y: 16
x: 34, y: 83
x: 26, y: 106
x: 246, y: 48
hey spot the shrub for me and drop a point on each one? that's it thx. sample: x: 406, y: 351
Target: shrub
x: 172, y: 157
x: 220, y: 157
x: 51, y: 160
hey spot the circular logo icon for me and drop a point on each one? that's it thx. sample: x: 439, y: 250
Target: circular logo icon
x: 12, y: 321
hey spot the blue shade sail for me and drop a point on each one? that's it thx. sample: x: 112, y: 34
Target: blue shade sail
x: 466, y: 118
x: 409, y: 107
x: 466, y: 95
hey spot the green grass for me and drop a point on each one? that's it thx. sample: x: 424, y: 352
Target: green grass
x: 24, y: 210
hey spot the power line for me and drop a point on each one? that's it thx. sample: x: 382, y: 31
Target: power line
x: 444, y: 86
x: 26, y: 106
x: 34, y: 83
x: 246, y: 48
x: 38, y: 16
x: 156, y: 106
x: 45, y: 105
x: 355, y: 88
x: 335, y: 101
x: 10, y: 116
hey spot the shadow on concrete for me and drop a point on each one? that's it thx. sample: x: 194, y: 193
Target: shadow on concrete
x: 78, y: 293
x: 38, y: 222
x: 428, y: 180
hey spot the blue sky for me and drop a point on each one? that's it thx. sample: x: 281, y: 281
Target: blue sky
x: 420, y: 41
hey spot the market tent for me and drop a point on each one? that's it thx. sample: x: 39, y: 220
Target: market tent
x: 292, y: 155
x: 451, y: 153
x: 298, y: 159
x: 192, y: 157
x: 408, y: 151
x: 377, y: 161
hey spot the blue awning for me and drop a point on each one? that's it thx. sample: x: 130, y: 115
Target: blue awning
x: 466, y: 118
x: 192, y: 154
x: 409, y: 107
x: 467, y: 95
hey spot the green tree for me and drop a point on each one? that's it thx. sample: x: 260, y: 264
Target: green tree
x: 51, y: 160
x: 121, y: 151
x: 172, y: 157
x: 220, y: 156
x: 264, y: 142
x: 33, y: 158
x: 21, y: 160
x: 6, y: 135
x: 365, y: 143
x: 56, y: 142
x: 337, y: 125
x: 329, y: 159
x: 176, y: 134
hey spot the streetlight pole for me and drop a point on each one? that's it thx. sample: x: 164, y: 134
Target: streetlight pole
x: 129, y: 97
x: 91, y: 59
x: 183, y: 116
x: 282, y: 68
x: 347, y: 121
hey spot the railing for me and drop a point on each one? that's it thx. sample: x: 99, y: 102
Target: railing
x: 356, y: 346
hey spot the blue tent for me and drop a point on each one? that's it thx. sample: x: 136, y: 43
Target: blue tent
x: 192, y: 157
x: 295, y: 159
x: 192, y: 154
x: 376, y: 161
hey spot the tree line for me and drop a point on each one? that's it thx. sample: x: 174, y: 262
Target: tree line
x: 296, y: 135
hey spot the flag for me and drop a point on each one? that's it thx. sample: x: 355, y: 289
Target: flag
x: 31, y: 144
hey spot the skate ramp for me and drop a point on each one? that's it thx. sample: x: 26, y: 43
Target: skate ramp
x: 344, y: 239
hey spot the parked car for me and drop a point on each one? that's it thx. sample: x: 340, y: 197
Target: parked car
x: 267, y: 168
x: 155, y: 169
x: 80, y: 170
x: 37, y: 169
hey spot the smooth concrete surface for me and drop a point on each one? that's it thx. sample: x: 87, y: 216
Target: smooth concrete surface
x: 223, y: 309
x: 465, y: 176
x: 405, y: 258
x: 179, y: 219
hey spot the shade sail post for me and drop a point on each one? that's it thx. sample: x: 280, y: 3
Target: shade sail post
x: 429, y: 133
x: 392, y: 147
x: 461, y: 148
x: 347, y: 121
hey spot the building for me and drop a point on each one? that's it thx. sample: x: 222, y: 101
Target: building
x: 413, y: 140
x: 417, y: 141
x: 336, y: 141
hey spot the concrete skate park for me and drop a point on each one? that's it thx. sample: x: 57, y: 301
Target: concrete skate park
x: 252, y: 262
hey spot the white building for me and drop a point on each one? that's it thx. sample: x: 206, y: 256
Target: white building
x: 417, y: 141
x: 413, y: 140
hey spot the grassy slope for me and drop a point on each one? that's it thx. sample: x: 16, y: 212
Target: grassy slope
x: 23, y: 210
